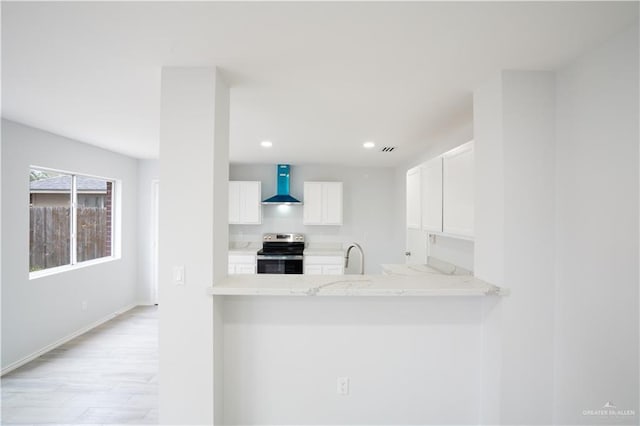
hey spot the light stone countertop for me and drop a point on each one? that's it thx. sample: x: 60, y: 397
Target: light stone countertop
x: 410, y: 270
x: 427, y: 284
x: 434, y: 267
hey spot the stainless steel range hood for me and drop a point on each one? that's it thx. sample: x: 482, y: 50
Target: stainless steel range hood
x: 282, y: 195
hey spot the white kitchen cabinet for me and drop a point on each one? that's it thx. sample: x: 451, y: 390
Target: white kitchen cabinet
x: 332, y: 203
x: 312, y: 208
x: 242, y: 264
x: 414, y: 213
x: 440, y: 199
x: 245, y: 269
x: 458, y: 191
x: 322, y: 203
x: 332, y: 269
x: 324, y: 265
x: 416, y: 247
x: 431, y: 188
x: 312, y: 269
x: 245, y: 206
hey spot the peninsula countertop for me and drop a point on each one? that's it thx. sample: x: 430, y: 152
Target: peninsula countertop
x: 427, y: 284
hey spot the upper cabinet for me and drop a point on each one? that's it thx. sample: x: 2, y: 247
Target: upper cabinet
x: 440, y: 193
x: 322, y: 203
x: 458, y: 193
x: 431, y: 187
x: 245, y: 206
x: 414, y: 215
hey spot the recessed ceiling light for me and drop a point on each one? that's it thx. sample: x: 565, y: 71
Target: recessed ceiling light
x: 369, y: 145
x: 266, y: 144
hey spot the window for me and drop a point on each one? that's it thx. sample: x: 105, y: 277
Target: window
x: 71, y: 219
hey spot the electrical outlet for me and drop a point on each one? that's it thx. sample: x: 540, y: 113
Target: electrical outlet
x: 84, y: 305
x: 343, y: 386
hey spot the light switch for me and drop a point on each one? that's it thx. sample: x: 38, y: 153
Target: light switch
x: 178, y: 275
x: 343, y: 386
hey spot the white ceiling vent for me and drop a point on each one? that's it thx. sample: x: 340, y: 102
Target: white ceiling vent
x: 388, y: 148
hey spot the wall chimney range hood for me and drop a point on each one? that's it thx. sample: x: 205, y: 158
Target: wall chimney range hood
x: 282, y: 195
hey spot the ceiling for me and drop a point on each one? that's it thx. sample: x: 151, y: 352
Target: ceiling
x: 316, y: 79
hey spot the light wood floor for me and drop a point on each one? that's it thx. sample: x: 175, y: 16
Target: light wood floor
x: 108, y: 375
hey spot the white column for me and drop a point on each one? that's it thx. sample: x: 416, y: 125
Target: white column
x: 489, y: 234
x: 194, y: 235
x: 514, y: 119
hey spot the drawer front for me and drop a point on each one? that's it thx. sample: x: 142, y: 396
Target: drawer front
x: 241, y: 258
x: 332, y: 270
x: 324, y: 260
x: 245, y: 269
x: 313, y: 269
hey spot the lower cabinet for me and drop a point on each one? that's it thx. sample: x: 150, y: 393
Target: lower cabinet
x: 324, y: 265
x: 242, y: 264
x: 313, y: 265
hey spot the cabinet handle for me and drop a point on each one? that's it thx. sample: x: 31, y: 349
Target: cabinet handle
x: 407, y: 253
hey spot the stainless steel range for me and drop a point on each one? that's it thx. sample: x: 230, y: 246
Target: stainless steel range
x: 281, y: 254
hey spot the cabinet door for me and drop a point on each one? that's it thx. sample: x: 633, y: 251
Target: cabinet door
x: 313, y: 269
x: 312, y: 208
x: 234, y: 202
x: 250, y: 203
x: 332, y: 270
x: 458, y: 192
x: 245, y: 268
x: 416, y: 247
x: 332, y: 203
x: 413, y: 198
x: 432, y: 195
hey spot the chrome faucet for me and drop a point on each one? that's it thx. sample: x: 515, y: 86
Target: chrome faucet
x: 346, y: 256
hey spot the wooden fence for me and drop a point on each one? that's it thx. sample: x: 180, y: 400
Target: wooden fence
x: 49, y: 238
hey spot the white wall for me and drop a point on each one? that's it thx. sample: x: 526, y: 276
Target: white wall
x: 39, y: 312
x: 148, y: 171
x: 452, y: 250
x: 596, y: 343
x: 529, y: 231
x: 489, y: 235
x: 369, y: 215
x: 409, y: 360
x: 443, y: 142
x: 557, y: 224
x: 489, y: 182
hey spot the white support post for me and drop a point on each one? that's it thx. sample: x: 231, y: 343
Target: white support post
x: 193, y: 235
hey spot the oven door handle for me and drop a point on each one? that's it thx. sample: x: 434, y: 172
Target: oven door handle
x: 277, y: 257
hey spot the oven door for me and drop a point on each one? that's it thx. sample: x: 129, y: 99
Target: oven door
x: 273, y: 264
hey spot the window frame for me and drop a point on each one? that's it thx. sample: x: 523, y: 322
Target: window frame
x: 73, y: 242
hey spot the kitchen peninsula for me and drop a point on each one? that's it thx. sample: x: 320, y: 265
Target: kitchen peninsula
x: 423, y: 281
x: 421, y: 322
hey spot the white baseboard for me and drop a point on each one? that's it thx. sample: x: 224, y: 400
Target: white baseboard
x: 64, y: 340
